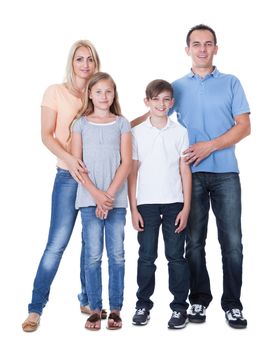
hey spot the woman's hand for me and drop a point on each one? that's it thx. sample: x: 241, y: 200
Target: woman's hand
x: 76, y: 168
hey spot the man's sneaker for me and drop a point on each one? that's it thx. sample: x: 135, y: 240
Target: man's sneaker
x: 197, y: 313
x: 235, y: 318
x: 178, y: 320
x: 141, y: 317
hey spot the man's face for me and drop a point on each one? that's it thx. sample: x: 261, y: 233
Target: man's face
x: 201, y: 49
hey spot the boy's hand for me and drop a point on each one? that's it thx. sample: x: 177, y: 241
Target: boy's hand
x: 181, y: 221
x: 137, y: 221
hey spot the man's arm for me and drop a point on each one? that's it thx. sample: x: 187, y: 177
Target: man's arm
x: 201, y: 150
x: 139, y: 120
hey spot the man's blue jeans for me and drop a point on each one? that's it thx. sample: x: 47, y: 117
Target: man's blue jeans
x: 63, y: 217
x: 94, y: 230
x: 155, y: 215
x: 223, y: 191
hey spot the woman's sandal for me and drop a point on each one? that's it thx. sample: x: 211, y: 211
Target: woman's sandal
x: 114, y: 321
x: 86, y: 310
x: 93, y: 321
x: 30, y: 326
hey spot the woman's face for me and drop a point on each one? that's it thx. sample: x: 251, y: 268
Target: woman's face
x: 83, y: 63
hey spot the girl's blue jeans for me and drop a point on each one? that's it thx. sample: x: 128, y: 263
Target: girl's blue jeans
x: 94, y: 232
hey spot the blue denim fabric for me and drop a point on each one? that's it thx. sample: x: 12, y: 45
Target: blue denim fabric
x: 155, y: 215
x: 94, y: 230
x: 223, y: 191
x: 63, y: 217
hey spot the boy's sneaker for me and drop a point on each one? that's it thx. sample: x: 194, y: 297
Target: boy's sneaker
x: 235, y: 318
x: 178, y: 320
x: 141, y: 317
x: 197, y: 313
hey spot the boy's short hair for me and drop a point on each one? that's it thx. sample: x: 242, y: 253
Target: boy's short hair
x: 156, y: 87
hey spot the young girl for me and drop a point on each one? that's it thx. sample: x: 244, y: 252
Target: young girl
x: 101, y: 137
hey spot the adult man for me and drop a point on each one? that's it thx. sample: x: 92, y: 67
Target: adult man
x: 214, y: 109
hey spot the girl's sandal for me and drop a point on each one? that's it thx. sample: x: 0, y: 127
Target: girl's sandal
x: 93, y: 322
x: 86, y: 310
x: 114, y: 321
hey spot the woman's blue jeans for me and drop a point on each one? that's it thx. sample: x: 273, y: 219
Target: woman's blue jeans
x: 63, y: 217
x: 94, y: 230
x: 154, y: 216
x: 223, y: 191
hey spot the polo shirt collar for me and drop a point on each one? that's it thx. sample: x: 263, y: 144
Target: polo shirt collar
x: 149, y: 124
x: 215, y: 73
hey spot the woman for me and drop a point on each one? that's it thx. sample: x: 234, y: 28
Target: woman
x: 60, y: 105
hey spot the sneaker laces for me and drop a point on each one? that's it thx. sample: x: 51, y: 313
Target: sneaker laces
x: 197, y: 308
x: 176, y: 314
x: 140, y: 312
x: 236, y: 313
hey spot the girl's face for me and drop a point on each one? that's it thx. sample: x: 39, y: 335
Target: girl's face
x: 102, y: 94
x: 83, y: 63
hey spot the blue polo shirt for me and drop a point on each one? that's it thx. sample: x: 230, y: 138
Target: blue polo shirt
x: 207, y: 107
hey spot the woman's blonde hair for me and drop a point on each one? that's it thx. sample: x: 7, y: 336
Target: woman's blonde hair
x: 70, y: 75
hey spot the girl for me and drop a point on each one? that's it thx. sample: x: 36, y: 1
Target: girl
x: 60, y: 105
x: 101, y: 137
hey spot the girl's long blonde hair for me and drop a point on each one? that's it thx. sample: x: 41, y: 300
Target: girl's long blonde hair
x: 88, y: 107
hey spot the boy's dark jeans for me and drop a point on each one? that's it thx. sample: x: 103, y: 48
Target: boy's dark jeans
x: 155, y: 215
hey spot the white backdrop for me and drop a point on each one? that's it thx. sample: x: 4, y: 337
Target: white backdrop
x: 137, y: 41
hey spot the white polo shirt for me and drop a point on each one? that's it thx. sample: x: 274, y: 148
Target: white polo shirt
x: 158, y: 152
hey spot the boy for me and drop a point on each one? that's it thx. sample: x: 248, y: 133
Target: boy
x: 163, y: 198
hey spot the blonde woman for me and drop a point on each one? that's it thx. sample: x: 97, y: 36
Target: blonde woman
x: 60, y: 105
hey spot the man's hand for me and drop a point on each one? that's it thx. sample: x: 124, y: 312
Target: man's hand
x: 198, y: 151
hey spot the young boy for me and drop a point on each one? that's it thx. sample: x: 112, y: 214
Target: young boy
x: 163, y: 199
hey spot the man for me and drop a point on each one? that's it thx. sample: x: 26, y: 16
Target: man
x: 214, y: 109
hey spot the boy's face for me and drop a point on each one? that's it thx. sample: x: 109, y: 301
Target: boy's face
x: 160, y: 104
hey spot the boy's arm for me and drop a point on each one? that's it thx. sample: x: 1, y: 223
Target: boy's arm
x: 139, y: 120
x: 186, y: 176
x: 137, y: 220
x: 102, y: 199
x: 125, y: 166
